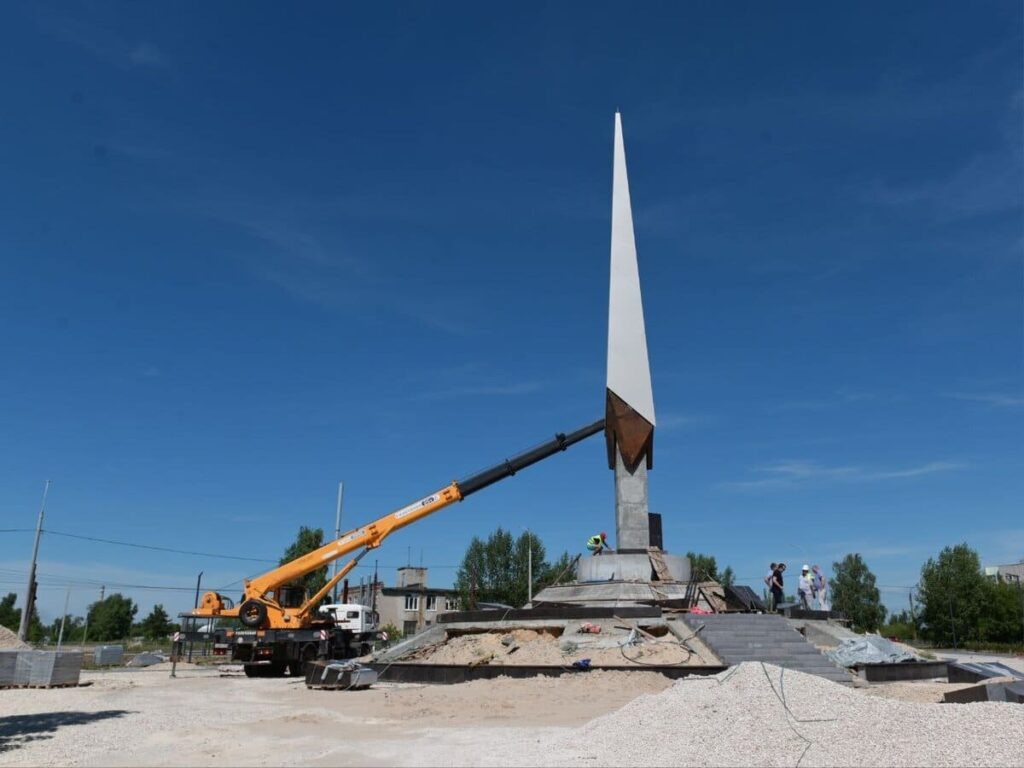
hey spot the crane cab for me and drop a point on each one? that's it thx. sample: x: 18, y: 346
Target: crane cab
x: 360, y: 620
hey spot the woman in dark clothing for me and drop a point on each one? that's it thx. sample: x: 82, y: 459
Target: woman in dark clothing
x: 777, y: 594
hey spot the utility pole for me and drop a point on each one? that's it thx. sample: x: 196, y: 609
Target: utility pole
x: 337, y: 533
x: 913, y: 617
x: 195, y: 604
x: 85, y: 634
x: 199, y: 580
x: 373, y: 587
x: 952, y: 622
x: 529, y: 566
x: 472, y: 590
x: 30, y: 590
x: 63, y: 617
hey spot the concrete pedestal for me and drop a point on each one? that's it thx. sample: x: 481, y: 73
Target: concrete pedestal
x: 618, y: 567
x: 632, y: 528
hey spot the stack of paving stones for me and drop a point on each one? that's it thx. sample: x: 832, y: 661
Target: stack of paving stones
x: 8, y: 665
x: 108, y: 655
x: 739, y: 637
x: 39, y: 669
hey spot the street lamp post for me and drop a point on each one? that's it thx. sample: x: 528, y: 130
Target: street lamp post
x: 529, y: 566
x: 195, y: 604
x: 337, y: 532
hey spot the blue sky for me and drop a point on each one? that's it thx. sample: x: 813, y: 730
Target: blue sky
x: 251, y: 250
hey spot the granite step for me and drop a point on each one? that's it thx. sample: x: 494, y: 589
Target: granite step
x: 763, y: 637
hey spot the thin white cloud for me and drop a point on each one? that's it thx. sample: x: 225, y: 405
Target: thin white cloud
x: 985, y: 184
x: 147, y: 55
x: 99, y: 39
x: 925, y: 469
x: 483, y: 390
x: 807, y: 470
x: 838, y: 398
x: 672, y: 421
x: 800, y: 473
x: 997, y: 399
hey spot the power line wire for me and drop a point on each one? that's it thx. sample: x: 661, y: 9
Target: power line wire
x: 172, y: 550
x: 155, y: 548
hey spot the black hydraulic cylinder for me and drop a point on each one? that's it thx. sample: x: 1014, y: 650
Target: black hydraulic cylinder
x: 509, y: 467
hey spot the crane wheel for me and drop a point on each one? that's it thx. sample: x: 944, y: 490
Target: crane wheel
x: 252, y: 613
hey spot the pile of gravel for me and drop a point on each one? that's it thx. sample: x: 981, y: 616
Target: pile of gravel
x: 761, y: 715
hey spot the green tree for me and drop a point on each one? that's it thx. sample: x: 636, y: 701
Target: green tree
x: 73, y: 627
x: 1002, y: 614
x: 900, y: 625
x: 10, y: 616
x: 703, y: 566
x: 394, y: 633
x: 307, y: 540
x: 727, y: 577
x: 111, y: 619
x: 495, y: 570
x: 855, y: 595
x: 953, y: 594
x: 157, y: 624
x: 558, y: 572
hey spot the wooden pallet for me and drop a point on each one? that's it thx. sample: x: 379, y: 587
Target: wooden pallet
x: 6, y: 686
x: 658, y: 564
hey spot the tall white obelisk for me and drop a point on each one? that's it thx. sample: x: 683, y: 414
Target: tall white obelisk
x: 626, y: 577
x: 629, y: 403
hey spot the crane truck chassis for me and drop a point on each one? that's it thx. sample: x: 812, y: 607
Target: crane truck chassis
x: 280, y: 631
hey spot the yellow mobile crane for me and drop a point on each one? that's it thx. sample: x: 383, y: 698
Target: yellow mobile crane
x: 282, y: 627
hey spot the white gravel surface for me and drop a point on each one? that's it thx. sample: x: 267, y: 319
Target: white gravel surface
x: 760, y: 715
x: 753, y: 714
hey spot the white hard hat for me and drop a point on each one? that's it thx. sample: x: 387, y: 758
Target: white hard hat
x: 807, y: 568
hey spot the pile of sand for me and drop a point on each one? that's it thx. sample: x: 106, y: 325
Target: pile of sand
x: 528, y: 647
x: 9, y: 640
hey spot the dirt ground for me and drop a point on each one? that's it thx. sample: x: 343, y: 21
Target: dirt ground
x: 143, y: 717
x: 200, y: 718
x: 920, y: 691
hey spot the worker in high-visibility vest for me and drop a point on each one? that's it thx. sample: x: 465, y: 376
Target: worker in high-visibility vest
x: 598, y: 543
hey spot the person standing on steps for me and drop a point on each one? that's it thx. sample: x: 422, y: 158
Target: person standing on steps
x: 806, y: 588
x: 777, y: 583
x: 820, y: 584
x: 768, y: 584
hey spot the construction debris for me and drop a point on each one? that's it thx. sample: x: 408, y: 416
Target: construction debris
x: 1008, y: 689
x: 871, y: 649
x: 147, y: 659
x: 974, y: 672
x: 339, y: 675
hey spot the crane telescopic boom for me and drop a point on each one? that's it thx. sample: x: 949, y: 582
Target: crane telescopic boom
x: 270, y: 603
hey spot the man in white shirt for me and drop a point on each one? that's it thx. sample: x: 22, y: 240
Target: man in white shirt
x: 806, y: 588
